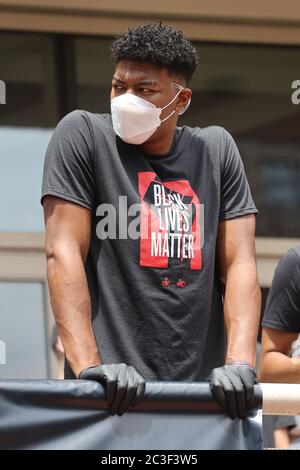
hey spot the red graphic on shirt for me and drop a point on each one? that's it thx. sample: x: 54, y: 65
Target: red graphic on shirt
x: 165, y: 282
x: 170, y: 222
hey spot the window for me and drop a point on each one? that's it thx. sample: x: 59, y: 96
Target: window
x: 247, y: 90
x: 21, y: 155
x: 94, y: 71
x: 26, y: 123
x: 23, y: 331
x: 28, y: 69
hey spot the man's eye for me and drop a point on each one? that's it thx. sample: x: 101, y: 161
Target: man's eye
x: 145, y: 90
x: 118, y: 87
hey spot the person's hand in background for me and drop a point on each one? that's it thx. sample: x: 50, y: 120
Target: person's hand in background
x: 232, y: 387
x: 124, y: 386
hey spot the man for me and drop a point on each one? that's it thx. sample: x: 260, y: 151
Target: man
x: 282, y: 323
x: 144, y: 220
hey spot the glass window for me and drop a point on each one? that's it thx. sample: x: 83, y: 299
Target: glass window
x: 22, y: 153
x: 26, y: 123
x: 94, y: 70
x: 247, y: 90
x: 28, y: 70
x: 22, y: 331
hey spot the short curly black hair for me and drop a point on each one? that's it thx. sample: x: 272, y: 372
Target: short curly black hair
x: 157, y: 44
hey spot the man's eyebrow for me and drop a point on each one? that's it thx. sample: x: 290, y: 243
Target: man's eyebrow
x: 140, y: 82
x: 147, y: 82
x: 116, y: 79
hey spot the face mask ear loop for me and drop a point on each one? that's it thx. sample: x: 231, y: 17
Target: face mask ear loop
x: 181, y: 88
x: 172, y: 100
x: 163, y: 120
x: 189, y: 102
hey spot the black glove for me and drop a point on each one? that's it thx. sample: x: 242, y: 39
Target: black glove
x: 232, y: 387
x: 124, y: 385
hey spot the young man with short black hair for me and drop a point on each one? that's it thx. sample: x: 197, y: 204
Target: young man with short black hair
x: 145, y: 222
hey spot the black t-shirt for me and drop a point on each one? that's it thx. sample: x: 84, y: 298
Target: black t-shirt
x: 283, y: 304
x: 155, y: 293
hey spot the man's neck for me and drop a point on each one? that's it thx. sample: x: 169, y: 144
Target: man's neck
x: 160, y: 147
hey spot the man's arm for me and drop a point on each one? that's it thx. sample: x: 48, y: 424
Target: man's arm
x: 232, y: 385
x: 68, y: 229
x: 275, y: 363
x: 242, y: 298
x: 68, y: 232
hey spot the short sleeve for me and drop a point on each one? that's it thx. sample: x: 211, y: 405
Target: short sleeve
x: 283, y: 304
x: 284, y: 422
x: 69, y: 161
x: 236, y: 199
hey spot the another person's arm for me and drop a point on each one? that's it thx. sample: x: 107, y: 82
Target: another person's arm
x: 275, y: 363
x: 282, y: 323
x: 282, y: 438
x: 282, y: 427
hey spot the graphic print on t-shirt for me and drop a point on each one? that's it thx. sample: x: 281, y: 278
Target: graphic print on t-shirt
x: 170, y: 222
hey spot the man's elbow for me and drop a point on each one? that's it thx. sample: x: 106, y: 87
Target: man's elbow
x: 61, y: 254
x: 54, y: 251
x: 54, y: 260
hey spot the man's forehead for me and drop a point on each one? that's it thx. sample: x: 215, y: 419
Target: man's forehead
x: 141, y: 72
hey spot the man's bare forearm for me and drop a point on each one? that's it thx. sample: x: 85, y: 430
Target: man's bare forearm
x: 277, y: 367
x: 242, y: 305
x: 70, y: 300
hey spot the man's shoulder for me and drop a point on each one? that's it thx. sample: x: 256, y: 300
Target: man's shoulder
x: 282, y: 309
x: 288, y: 268
x: 81, y: 117
x: 291, y: 259
x: 213, y: 136
x: 296, y: 253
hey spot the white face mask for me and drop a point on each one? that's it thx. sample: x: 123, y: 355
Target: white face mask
x: 135, y: 119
